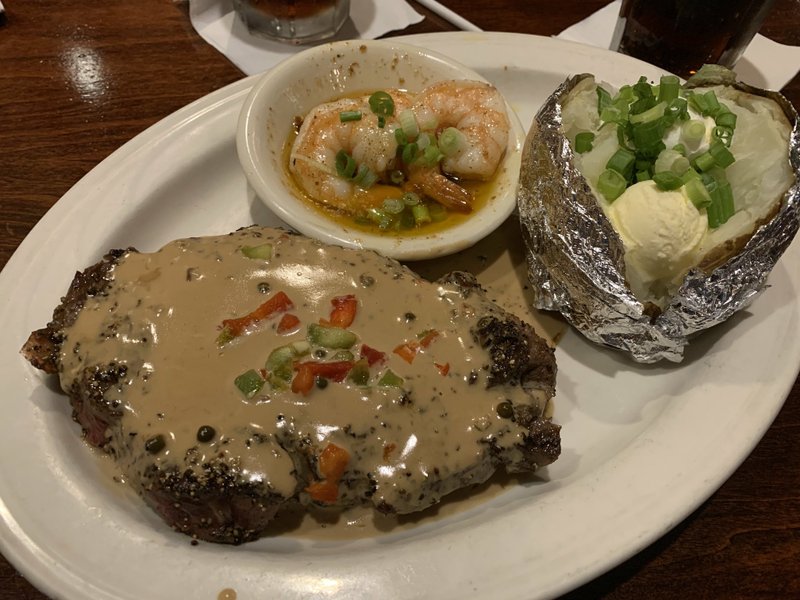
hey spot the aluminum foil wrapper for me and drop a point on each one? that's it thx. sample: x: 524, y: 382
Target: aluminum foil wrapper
x: 576, y: 258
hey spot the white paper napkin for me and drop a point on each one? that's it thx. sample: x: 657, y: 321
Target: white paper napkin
x: 765, y: 64
x: 217, y: 24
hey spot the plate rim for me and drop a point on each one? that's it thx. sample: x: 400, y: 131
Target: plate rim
x: 228, y: 94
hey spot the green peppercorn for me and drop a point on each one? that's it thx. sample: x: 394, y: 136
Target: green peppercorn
x: 206, y: 433
x: 505, y: 410
x: 155, y: 444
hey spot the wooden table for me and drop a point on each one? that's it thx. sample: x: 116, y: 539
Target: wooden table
x: 58, y: 124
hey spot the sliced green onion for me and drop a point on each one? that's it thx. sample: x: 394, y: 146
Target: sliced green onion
x: 437, y: 211
x: 722, y: 156
x: 424, y: 140
x: 604, y: 100
x: 421, y: 213
x: 680, y: 149
x: 431, y: 155
x: 451, y: 140
x: 584, y: 141
x: 349, y: 115
x: 381, y: 121
x: 723, y: 135
x: 393, y: 206
x: 409, y: 153
x: 249, y: 383
x: 712, y: 104
x: 651, y: 114
x: 411, y: 199
x: 667, y: 180
x: 380, y: 218
x: 642, y: 176
x: 396, y: 177
x: 705, y: 161
x: 262, y: 251
x: 365, y: 178
x: 611, y: 184
x: 669, y: 88
x: 406, y: 220
x: 726, y: 201
x: 381, y: 104
x: 726, y: 118
x: 408, y: 122
x: 400, y: 136
x: 345, y: 165
x: 622, y: 161
x: 697, y: 193
x: 647, y: 137
x: 693, y: 132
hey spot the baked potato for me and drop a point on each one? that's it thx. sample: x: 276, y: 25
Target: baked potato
x: 657, y: 210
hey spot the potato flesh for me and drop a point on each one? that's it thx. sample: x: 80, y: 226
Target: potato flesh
x: 759, y: 178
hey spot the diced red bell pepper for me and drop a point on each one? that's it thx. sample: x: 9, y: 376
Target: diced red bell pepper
x: 278, y: 303
x: 373, y: 356
x: 343, y: 312
x: 288, y: 323
x: 307, y: 372
x: 332, y: 463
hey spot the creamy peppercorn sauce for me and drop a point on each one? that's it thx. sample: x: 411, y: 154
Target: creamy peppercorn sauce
x: 161, y: 317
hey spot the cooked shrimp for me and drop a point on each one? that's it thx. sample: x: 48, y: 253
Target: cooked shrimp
x: 478, y: 112
x: 322, y: 135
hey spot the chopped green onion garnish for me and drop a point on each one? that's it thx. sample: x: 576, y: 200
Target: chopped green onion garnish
x: 345, y: 165
x: 381, y: 104
x: 381, y: 121
x: 680, y: 149
x: 642, y: 176
x: 408, y: 123
x: 396, y: 177
x: 409, y: 153
x: 622, y: 161
x: 723, y: 135
x: 349, y: 115
x: 421, y: 213
x: 669, y: 88
x: 651, y: 114
x: 411, y: 199
x: 667, y: 180
x: 725, y: 118
x: 697, y: 193
x: 584, y: 141
x: 437, y: 212
x: 393, y: 206
x: 705, y: 161
x: 380, y: 218
x: 431, y: 155
x: 400, y: 136
x: 451, y: 141
x: 424, y: 140
x: 611, y: 184
x: 722, y: 156
x: 692, y: 132
x: 365, y: 178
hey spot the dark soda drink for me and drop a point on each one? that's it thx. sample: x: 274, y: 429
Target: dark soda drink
x: 683, y: 35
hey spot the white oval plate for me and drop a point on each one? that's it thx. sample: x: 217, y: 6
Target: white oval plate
x: 642, y: 445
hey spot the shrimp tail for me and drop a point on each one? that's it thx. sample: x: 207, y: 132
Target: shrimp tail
x: 445, y: 191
